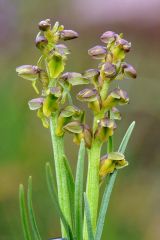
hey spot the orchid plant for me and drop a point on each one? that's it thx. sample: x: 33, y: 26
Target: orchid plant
x: 81, y: 217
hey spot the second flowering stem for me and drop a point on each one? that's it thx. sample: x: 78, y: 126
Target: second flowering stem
x: 61, y: 176
x: 93, y: 183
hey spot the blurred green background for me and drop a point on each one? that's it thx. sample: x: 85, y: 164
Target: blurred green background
x: 25, y: 146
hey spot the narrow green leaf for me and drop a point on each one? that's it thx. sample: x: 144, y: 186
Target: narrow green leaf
x: 70, y: 185
x: 109, y: 186
x: 52, y: 191
x: 126, y: 138
x: 69, y: 174
x: 23, y: 213
x: 88, y: 218
x: 78, y: 197
x: 31, y: 211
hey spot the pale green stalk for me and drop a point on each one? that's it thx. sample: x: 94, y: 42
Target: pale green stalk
x: 63, y: 193
x: 92, y: 190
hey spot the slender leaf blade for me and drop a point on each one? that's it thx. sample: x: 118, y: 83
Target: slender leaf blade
x: 31, y: 211
x: 54, y: 197
x: 70, y: 186
x: 126, y: 138
x: 88, y: 218
x: 109, y: 186
x: 78, y: 196
x: 23, y: 213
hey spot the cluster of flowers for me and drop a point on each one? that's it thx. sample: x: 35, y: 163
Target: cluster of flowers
x: 55, y: 85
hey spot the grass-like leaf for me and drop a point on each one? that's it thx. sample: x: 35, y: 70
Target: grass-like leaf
x: 31, y: 211
x: 52, y: 191
x: 109, y: 186
x: 23, y: 213
x: 126, y: 138
x: 70, y: 186
x: 78, y: 197
x: 88, y: 218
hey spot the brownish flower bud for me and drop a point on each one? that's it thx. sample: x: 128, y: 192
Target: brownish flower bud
x: 90, y: 73
x: 44, y: 25
x: 74, y: 127
x: 124, y: 44
x: 28, y: 72
x: 97, y: 52
x: 129, y: 70
x: 108, y: 37
x: 68, y: 35
x: 87, y: 95
x: 35, y: 103
x: 41, y: 42
x: 109, y: 70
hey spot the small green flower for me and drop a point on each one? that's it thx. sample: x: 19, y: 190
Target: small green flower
x: 110, y: 162
x: 116, y: 97
x: 105, y: 129
x: 28, y: 72
x: 36, y: 103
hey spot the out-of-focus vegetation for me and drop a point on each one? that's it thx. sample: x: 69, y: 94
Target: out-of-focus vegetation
x: 25, y: 145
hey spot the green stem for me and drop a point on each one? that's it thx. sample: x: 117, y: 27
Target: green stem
x: 93, y: 184
x: 63, y: 193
